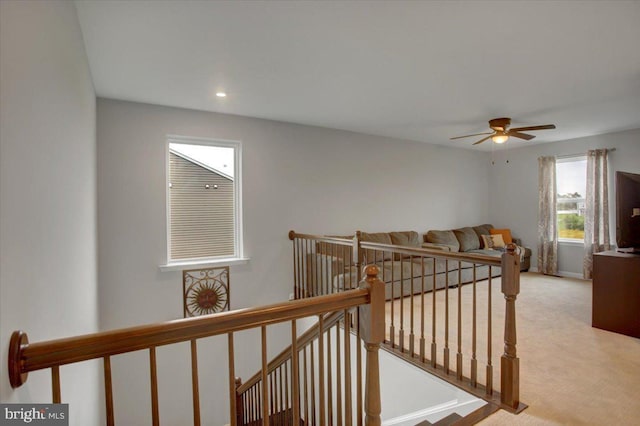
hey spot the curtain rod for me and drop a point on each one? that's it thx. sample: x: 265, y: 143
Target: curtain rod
x: 582, y: 154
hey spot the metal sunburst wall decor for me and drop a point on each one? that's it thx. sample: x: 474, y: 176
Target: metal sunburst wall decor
x: 206, y: 291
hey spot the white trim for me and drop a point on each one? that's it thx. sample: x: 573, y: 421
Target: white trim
x: 562, y: 274
x: 194, y: 140
x: 571, y: 242
x: 421, y: 414
x: 567, y: 274
x: 167, y: 197
x: 571, y: 158
x: 210, y: 263
x: 237, y: 187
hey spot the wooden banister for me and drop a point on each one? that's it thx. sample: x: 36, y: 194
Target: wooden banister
x: 307, y: 337
x: 328, y: 269
x: 372, y: 319
x: 25, y: 357
x: 509, y: 362
x: 320, y: 238
x: 326, y: 402
x: 239, y: 407
x: 437, y: 254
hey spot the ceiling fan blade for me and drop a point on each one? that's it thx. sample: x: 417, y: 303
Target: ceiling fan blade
x: 476, y: 134
x: 521, y: 135
x: 483, y: 139
x: 543, y: 127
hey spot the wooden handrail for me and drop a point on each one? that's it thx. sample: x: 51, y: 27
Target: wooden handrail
x: 432, y: 253
x: 303, y: 340
x: 25, y: 357
x: 417, y: 251
x: 321, y: 238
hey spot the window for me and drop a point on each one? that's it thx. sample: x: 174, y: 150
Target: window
x: 203, y: 200
x: 571, y: 185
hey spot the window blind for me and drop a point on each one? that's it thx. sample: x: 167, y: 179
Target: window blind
x: 202, y: 211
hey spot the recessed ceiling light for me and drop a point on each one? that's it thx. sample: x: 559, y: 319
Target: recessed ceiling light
x: 221, y: 94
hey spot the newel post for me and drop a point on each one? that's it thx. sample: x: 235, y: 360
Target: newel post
x: 239, y: 406
x: 18, y: 342
x: 509, y: 362
x: 372, y: 317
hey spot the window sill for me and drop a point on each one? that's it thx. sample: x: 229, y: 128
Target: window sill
x: 571, y: 242
x: 202, y: 264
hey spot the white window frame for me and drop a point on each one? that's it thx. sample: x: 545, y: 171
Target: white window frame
x: 203, y: 262
x: 569, y: 159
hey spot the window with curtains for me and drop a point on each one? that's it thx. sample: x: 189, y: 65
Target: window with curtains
x: 571, y: 186
x: 203, y: 200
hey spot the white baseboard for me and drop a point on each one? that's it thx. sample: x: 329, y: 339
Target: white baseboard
x: 417, y: 416
x: 570, y: 275
x: 564, y: 274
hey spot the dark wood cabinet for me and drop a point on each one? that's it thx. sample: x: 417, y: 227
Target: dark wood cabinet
x: 616, y: 292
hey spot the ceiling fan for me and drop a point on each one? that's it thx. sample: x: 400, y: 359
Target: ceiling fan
x: 501, y: 131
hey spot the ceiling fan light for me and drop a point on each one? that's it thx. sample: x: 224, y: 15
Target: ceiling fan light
x: 499, y: 138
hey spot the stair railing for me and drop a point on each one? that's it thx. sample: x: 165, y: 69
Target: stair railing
x: 25, y: 357
x: 443, y: 331
x: 309, y: 357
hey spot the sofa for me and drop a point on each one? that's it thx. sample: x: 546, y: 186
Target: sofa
x: 470, y: 240
x: 404, y: 275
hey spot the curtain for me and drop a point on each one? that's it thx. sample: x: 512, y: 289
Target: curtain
x: 596, y: 221
x: 547, y: 225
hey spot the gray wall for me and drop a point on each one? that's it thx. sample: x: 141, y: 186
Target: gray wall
x: 48, y: 285
x: 514, y: 187
x: 304, y: 178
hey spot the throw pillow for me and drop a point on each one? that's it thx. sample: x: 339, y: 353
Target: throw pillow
x: 406, y: 239
x: 374, y: 256
x: 487, y: 242
x: 447, y: 238
x: 482, y: 230
x: 467, y: 238
x: 506, y: 234
x: 498, y: 241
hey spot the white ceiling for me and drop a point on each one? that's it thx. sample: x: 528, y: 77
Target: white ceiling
x: 424, y: 71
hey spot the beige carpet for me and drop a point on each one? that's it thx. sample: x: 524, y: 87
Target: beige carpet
x: 570, y: 373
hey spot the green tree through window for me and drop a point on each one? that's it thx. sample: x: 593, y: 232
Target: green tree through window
x: 571, y: 175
